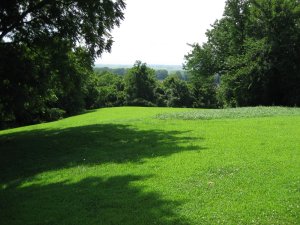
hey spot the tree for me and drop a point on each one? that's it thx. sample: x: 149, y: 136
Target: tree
x: 140, y: 85
x: 47, y: 49
x: 84, y: 22
x: 177, y: 92
x: 246, y: 83
x: 24, y: 86
x: 73, y: 73
x: 255, y: 49
x: 161, y: 74
x: 38, y: 81
x: 202, y: 67
x: 108, y: 90
x: 281, y: 19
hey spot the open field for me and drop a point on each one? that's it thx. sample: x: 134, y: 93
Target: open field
x: 134, y: 165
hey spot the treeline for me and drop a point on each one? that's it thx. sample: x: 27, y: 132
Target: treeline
x: 139, y: 87
x: 160, y: 74
x: 252, y: 57
x: 254, y: 52
x: 69, y: 85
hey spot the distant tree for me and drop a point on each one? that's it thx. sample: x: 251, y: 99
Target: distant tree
x: 161, y: 74
x: 101, y: 69
x: 177, y: 92
x: 160, y: 95
x: 185, y: 75
x: 140, y: 85
x: 178, y: 74
x: 110, y: 89
x: 119, y: 71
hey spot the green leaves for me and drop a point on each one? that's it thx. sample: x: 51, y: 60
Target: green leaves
x: 177, y: 92
x: 140, y: 84
x: 87, y: 23
x: 255, y: 48
x: 47, y: 49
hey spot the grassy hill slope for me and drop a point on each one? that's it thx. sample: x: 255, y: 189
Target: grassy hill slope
x: 134, y: 165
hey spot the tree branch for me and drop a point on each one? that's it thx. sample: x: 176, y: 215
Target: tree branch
x: 19, y: 20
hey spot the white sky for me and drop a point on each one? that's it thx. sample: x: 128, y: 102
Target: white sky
x: 157, y: 31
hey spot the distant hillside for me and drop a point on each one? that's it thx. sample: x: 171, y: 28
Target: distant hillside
x: 169, y: 68
x: 161, y: 71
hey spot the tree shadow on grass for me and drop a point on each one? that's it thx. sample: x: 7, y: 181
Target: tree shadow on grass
x: 25, y: 154
x: 93, y: 200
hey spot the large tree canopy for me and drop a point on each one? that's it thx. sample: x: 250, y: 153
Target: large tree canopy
x: 255, y: 48
x: 47, y: 49
x: 80, y: 22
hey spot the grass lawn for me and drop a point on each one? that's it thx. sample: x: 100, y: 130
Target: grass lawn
x: 134, y: 165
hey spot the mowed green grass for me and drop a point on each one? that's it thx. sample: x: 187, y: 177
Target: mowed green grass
x: 131, y: 165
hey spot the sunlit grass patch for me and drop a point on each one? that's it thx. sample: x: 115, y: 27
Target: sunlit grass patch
x: 125, y: 166
x: 232, y: 113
